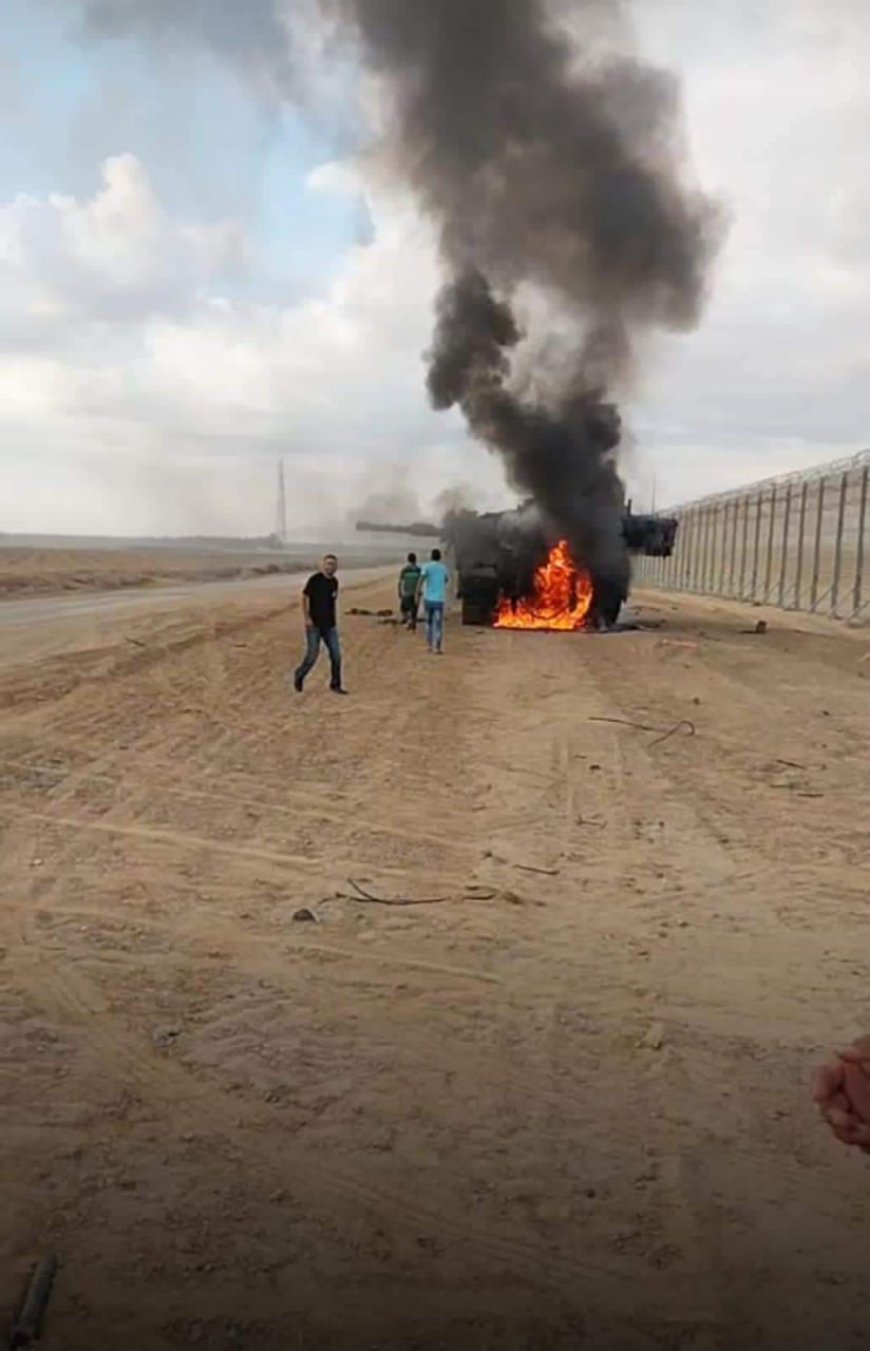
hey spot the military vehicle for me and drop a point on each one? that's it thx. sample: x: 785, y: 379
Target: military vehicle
x: 494, y: 557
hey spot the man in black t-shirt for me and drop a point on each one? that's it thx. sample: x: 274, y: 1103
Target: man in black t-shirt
x: 321, y: 625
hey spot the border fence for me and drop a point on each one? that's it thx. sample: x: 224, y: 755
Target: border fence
x: 798, y: 542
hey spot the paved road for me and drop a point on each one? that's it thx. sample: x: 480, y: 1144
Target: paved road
x: 25, y: 614
x: 37, y: 627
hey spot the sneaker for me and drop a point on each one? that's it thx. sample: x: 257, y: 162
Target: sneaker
x: 336, y: 690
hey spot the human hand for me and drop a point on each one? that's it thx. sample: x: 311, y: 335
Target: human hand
x: 841, y: 1089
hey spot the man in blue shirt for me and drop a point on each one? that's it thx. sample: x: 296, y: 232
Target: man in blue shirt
x: 433, y: 585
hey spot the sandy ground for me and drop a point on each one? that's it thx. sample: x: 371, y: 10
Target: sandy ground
x: 563, y: 1104
x: 37, y: 572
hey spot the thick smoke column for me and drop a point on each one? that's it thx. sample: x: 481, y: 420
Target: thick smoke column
x: 560, y: 456
x: 548, y: 170
x: 544, y: 168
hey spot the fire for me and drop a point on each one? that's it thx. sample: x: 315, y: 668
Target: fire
x: 561, y: 599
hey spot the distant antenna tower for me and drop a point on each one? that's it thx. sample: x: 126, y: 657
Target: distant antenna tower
x: 281, y: 507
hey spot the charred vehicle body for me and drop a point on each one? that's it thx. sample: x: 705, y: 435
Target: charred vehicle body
x: 495, y: 557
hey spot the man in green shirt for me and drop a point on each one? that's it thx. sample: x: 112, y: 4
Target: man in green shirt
x: 409, y: 585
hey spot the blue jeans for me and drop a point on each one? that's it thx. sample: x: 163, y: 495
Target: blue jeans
x: 312, y: 652
x: 435, y: 624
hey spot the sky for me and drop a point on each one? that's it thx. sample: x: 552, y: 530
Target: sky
x: 198, y: 277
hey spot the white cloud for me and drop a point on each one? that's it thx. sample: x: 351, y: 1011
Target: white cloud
x: 777, y: 107
x: 121, y: 351
x: 128, y: 351
x: 117, y: 257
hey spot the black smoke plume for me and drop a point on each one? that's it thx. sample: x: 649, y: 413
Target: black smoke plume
x: 551, y: 170
x: 547, y: 168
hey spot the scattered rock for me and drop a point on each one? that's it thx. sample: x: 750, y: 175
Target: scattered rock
x: 654, y: 1039
x: 165, y: 1037
x: 305, y: 916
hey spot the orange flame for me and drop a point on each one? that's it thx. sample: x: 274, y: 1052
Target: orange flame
x: 561, y: 599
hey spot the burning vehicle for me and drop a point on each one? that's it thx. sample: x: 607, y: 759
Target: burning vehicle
x: 568, y: 235
x: 513, y: 571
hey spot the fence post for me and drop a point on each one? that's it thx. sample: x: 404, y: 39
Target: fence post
x: 799, y: 565
x: 714, y: 548
x: 768, y: 571
x: 692, y: 561
x: 838, y: 547
x: 714, y: 533
x: 713, y: 542
x: 755, y: 557
x: 732, y: 570
x: 785, y: 531
x: 744, y: 547
x: 814, y: 590
x: 857, y: 597
x: 698, y: 551
x: 687, y: 525
x: 723, y: 551
x: 704, y: 550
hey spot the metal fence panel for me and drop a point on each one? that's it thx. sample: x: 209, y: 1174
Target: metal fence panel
x: 799, y: 542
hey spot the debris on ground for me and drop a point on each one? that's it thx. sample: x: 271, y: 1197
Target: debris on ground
x: 165, y: 1037
x: 654, y: 1038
